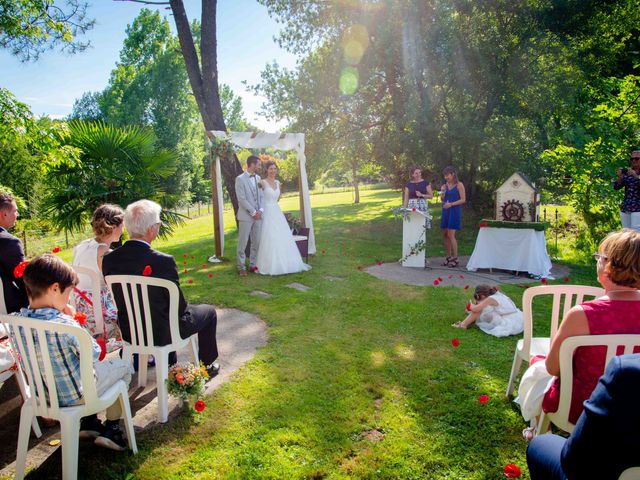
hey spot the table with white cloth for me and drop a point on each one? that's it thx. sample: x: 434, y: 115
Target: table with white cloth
x: 518, y: 249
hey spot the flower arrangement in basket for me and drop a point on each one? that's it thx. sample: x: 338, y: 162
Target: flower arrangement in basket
x: 186, y: 381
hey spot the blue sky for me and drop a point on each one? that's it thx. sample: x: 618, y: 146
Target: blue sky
x: 245, y: 44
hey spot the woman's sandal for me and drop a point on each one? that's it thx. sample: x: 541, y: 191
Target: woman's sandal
x: 453, y: 262
x: 446, y: 262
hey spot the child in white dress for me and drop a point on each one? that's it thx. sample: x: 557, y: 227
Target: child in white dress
x: 493, y: 312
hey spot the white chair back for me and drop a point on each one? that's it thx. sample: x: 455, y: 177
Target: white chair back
x: 28, y: 335
x: 632, y: 473
x: 564, y: 298
x: 96, y: 284
x: 615, y: 345
x: 135, y: 291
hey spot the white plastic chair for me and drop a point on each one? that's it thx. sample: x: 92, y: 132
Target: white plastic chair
x: 37, y: 402
x: 616, y: 345
x: 632, y: 473
x: 4, y: 376
x: 565, y: 297
x: 135, y: 306
x: 95, y: 295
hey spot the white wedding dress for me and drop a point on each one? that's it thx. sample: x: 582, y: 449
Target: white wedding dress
x: 502, y: 320
x: 277, y: 252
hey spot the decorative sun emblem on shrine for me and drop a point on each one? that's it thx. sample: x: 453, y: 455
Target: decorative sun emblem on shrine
x: 515, y: 183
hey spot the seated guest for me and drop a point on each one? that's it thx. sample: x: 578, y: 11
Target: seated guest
x: 605, y: 441
x: 617, y: 312
x: 49, y: 282
x: 142, y: 221
x: 107, y: 224
x: 11, y: 254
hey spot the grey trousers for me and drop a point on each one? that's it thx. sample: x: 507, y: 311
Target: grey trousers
x: 248, y: 229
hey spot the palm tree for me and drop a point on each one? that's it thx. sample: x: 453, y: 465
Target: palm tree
x: 107, y: 164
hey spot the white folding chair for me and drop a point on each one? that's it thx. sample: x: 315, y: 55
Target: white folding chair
x: 615, y: 344
x: 565, y: 297
x: 632, y: 473
x: 95, y: 295
x: 36, y: 364
x: 138, y: 309
x: 4, y: 376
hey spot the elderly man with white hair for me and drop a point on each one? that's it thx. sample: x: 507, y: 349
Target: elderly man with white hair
x: 136, y: 257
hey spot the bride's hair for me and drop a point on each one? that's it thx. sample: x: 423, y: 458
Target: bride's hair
x: 268, y: 164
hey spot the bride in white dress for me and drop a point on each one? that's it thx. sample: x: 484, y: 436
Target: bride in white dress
x: 277, y: 251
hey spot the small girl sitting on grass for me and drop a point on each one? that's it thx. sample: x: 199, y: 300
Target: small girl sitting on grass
x: 49, y: 282
x: 493, y: 312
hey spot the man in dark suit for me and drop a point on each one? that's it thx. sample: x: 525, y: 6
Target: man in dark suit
x: 136, y: 257
x: 605, y: 441
x: 11, y: 254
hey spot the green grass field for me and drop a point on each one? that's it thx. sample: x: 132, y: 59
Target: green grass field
x: 359, y: 378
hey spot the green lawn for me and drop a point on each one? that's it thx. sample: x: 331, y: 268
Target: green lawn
x: 343, y: 359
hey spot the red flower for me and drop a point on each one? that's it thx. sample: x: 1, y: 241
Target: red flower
x: 379, y: 262
x: 543, y: 281
x: 413, y: 209
x: 184, y: 255
x: 526, y: 286
x: 436, y: 283
x: 468, y: 308
x: 461, y: 276
x: 455, y: 342
x: 483, y: 224
x: 200, y: 406
x: 565, y: 279
x: 190, y: 280
x: 483, y: 398
x: 439, y: 279
x: 204, y: 265
x: 211, y: 275
x: 55, y: 249
x: 80, y: 317
x: 147, y: 270
x: 18, y: 272
x: 184, y: 263
x: 466, y: 287
x: 192, y: 256
x: 512, y: 471
x: 179, y: 378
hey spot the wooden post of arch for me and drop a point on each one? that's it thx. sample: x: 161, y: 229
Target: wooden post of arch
x: 303, y: 223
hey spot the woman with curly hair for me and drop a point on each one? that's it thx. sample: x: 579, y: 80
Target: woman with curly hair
x: 107, y: 223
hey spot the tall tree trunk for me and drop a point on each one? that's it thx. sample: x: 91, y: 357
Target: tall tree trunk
x: 203, y: 77
x: 356, y: 188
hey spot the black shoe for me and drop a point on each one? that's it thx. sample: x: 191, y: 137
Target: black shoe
x: 112, y: 438
x: 213, y: 370
x: 90, y: 427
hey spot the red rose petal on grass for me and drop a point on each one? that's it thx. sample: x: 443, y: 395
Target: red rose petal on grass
x: 199, y: 406
x: 436, y: 283
x: 379, y: 263
x: 466, y: 287
x: 185, y: 270
x: 184, y: 255
x: 204, y: 265
x: 184, y: 263
x: 55, y: 249
x: 80, y: 317
x: 147, y: 270
x: 190, y: 280
x: 439, y: 279
x: 565, y: 279
x: 18, y: 272
x: 455, y: 342
x: 526, y: 286
x: 512, y: 471
x: 543, y: 281
x: 192, y: 256
x: 211, y: 275
x: 483, y: 398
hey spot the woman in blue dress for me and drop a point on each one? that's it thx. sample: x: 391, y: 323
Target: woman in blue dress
x: 453, y: 197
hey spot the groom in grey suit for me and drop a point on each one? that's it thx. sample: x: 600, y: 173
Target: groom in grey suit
x: 250, y: 208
